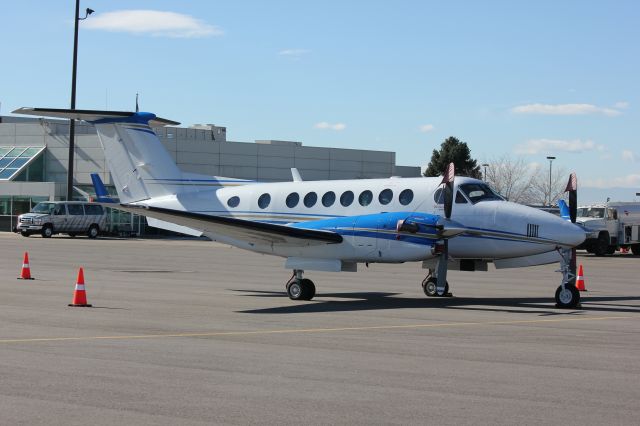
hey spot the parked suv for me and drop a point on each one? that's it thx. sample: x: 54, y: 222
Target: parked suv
x: 69, y: 217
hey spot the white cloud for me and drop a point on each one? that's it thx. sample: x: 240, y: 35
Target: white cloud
x: 628, y: 156
x: 328, y: 126
x: 293, y: 52
x: 621, y: 105
x: 425, y: 128
x: 564, y: 109
x: 536, y: 146
x: 628, y: 181
x: 153, y: 22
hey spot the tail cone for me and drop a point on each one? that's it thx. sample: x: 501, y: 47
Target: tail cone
x: 80, y: 295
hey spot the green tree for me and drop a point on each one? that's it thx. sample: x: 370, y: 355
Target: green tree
x: 453, y: 151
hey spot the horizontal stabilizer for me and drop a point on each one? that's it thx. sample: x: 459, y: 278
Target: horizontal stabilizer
x: 97, y: 115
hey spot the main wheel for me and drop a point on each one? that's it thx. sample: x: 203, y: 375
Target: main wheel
x: 567, y: 297
x: 93, y: 231
x: 47, y: 231
x: 304, y: 289
x: 430, y: 287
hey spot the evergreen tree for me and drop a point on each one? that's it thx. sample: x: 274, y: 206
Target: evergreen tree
x: 453, y: 151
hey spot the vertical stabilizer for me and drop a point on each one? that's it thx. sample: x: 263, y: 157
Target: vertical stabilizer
x: 140, y: 166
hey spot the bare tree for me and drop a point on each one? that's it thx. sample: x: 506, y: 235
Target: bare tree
x: 512, y: 177
x: 541, y: 187
x: 523, y: 182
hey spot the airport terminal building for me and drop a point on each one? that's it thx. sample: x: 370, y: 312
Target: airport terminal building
x: 34, y: 157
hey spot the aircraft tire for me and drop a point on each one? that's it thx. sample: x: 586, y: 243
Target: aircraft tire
x: 567, y: 297
x: 430, y: 287
x: 304, y: 289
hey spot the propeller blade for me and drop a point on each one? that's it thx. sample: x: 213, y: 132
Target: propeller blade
x: 447, y: 180
x: 572, y: 189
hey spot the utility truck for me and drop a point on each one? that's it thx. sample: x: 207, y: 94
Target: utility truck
x: 610, y: 227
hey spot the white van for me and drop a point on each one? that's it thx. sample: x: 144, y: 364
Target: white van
x: 69, y: 217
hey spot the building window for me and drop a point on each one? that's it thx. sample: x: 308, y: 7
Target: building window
x: 233, y: 201
x: 406, y: 197
x: 328, y: 199
x: 346, y: 198
x: 292, y: 200
x: 264, y: 200
x: 365, y: 198
x: 310, y: 199
x: 386, y: 196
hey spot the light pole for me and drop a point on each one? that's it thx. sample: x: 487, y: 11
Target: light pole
x: 550, y: 163
x: 72, y: 122
x: 485, y: 165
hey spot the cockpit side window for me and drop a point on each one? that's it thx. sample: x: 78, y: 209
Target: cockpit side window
x: 460, y: 198
x: 438, y: 197
x: 477, y: 192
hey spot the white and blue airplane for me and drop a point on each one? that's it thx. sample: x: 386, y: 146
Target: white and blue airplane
x: 446, y: 223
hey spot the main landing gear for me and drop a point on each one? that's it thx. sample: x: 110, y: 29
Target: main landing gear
x: 567, y: 295
x: 299, y: 288
x: 430, y: 286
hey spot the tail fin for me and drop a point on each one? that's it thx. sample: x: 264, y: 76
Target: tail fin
x: 139, y: 164
x: 101, y: 192
x: 564, y: 209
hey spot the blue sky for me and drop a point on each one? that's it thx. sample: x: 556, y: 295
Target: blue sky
x: 521, y: 78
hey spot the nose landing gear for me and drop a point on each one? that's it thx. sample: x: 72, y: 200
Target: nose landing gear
x: 567, y: 296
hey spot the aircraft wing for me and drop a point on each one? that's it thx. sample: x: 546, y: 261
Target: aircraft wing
x: 239, y: 229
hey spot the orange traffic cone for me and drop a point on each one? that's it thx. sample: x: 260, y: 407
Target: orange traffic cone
x: 79, y: 295
x: 25, y: 273
x: 580, y: 280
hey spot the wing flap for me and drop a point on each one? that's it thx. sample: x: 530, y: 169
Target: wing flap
x: 239, y: 229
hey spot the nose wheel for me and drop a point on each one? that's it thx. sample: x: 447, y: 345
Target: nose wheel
x: 567, y: 295
x: 299, y: 288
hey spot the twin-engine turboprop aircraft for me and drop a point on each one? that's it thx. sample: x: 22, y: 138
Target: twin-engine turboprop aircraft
x: 446, y: 223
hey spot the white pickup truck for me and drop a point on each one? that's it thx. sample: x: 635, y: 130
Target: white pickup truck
x: 610, y: 227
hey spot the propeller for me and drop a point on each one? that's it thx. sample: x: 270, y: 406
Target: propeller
x: 447, y: 181
x: 572, y: 189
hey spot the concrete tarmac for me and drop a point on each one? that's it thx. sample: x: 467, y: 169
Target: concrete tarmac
x: 193, y: 332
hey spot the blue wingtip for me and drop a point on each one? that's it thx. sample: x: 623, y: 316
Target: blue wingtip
x: 101, y: 191
x: 564, y: 210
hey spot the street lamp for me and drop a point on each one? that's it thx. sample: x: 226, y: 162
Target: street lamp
x: 72, y: 122
x: 485, y: 165
x: 550, y: 162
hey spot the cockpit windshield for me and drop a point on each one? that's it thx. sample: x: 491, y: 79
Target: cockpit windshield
x: 477, y: 192
x: 43, y: 208
x: 592, y: 212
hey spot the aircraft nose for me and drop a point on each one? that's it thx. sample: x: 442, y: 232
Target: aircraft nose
x: 569, y: 234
